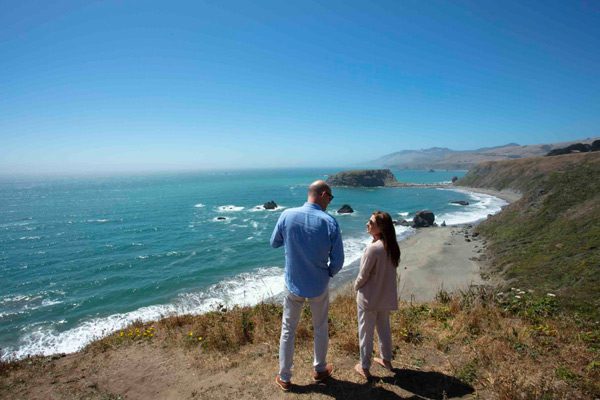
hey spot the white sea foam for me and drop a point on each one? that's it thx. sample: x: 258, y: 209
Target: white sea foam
x: 222, y: 219
x: 19, y: 303
x: 403, y: 214
x: 50, y: 302
x: 30, y: 237
x: 199, y: 205
x: 244, y: 289
x: 99, y: 221
x: 260, y: 207
x: 480, y: 206
x: 230, y: 208
x: 354, y: 248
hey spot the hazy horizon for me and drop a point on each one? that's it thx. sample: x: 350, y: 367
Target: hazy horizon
x: 112, y: 87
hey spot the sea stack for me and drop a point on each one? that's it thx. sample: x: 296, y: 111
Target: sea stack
x: 363, y: 178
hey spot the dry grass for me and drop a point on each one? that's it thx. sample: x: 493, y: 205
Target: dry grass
x: 501, y: 348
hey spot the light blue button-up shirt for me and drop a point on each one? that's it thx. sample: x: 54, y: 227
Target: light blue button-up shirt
x: 313, y: 248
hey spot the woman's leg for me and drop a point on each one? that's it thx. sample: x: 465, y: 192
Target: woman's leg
x: 366, y: 327
x: 384, y: 333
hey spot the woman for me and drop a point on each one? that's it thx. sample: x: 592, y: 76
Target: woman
x: 376, y: 292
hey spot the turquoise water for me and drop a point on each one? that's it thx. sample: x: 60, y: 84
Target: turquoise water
x: 83, y: 257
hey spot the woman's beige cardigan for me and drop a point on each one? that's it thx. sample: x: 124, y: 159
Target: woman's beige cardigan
x: 376, y: 281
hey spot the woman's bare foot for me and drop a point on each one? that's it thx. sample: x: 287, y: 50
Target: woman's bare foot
x: 362, y: 372
x: 384, y: 363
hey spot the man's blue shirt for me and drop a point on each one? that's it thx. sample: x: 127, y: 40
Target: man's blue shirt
x: 313, y: 248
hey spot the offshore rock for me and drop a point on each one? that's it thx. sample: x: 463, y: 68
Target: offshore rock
x: 345, y: 209
x: 460, y: 202
x: 270, y: 205
x: 423, y: 219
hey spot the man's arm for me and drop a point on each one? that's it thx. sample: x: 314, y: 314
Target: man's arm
x: 336, y: 254
x: 277, y: 236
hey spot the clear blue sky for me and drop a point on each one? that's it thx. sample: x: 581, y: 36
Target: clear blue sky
x: 124, y: 85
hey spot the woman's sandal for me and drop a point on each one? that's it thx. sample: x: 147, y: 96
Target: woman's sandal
x: 384, y: 363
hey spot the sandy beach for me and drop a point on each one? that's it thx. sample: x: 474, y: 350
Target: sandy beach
x: 448, y: 258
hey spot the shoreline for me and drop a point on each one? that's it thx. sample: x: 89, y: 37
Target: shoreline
x: 435, y: 258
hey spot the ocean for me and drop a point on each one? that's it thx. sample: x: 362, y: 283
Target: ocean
x: 83, y: 257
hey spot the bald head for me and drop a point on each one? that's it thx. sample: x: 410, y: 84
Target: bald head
x: 318, y: 187
x: 319, y: 193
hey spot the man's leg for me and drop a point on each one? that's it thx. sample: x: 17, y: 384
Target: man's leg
x: 366, y: 327
x: 384, y: 333
x: 292, y: 305
x: 319, y: 307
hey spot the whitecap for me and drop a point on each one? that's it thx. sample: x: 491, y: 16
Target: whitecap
x: 403, y: 214
x: 199, y: 205
x: 50, y: 302
x: 100, y: 221
x: 260, y: 207
x: 30, y: 237
x: 230, y: 208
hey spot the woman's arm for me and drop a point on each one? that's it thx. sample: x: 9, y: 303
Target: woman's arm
x: 367, y: 263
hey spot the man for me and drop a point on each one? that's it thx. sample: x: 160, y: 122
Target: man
x: 313, y: 254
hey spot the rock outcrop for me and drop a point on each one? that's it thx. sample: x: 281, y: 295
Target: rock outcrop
x: 345, y: 209
x: 460, y: 202
x: 363, y: 178
x: 576, y: 148
x: 270, y: 205
x: 423, y: 219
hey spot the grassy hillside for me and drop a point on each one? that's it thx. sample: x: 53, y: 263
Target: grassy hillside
x: 549, y: 241
x: 469, y: 345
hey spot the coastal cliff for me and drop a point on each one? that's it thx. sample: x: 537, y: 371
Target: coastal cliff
x: 363, y: 178
x: 549, y: 240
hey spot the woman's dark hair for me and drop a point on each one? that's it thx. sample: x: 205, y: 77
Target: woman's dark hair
x: 388, y: 235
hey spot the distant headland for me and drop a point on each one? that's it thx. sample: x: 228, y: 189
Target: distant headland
x: 372, y: 178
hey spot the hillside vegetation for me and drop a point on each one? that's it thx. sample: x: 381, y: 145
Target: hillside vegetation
x: 548, y: 241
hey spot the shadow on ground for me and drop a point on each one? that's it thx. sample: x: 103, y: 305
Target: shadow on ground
x: 422, y: 385
x: 349, y: 390
x: 428, y: 384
